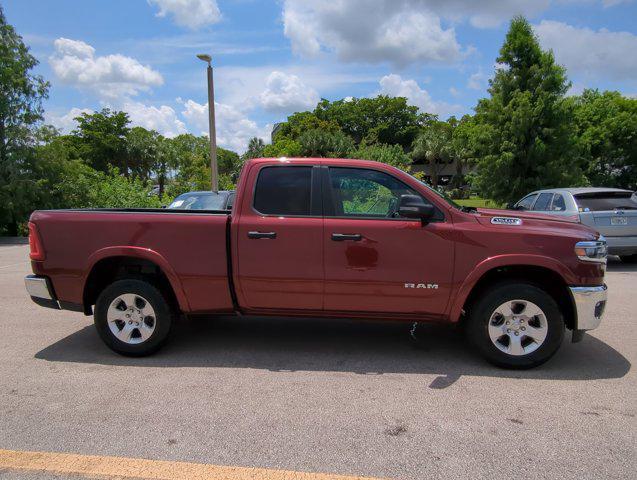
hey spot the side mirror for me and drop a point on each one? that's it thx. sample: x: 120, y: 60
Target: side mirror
x: 511, y: 206
x: 413, y: 206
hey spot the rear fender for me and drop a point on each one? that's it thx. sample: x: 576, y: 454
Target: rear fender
x: 145, y: 254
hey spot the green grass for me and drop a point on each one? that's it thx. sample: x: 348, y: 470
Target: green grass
x: 478, y: 203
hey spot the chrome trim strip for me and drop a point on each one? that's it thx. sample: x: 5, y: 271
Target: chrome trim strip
x: 586, y: 300
x: 38, y: 287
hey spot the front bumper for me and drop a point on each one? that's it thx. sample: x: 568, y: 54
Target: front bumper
x: 41, y: 291
x: 590, y: 303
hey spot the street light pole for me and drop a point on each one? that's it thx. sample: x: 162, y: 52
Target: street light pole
x: 211, y: 122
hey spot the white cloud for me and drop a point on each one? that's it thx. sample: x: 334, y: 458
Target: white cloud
x: 286, y: 93
x: 454, y: 91
x: 598, y: 54
x: 162, y: 119
x: 399, y: 32
x: 66, y: 123
x: 243, y: 86
x: 234, y: 128
x: 394, y: 86
x: 112, y: 76
x: 477, y: 81
x: 192, y: 14
x: 197, y: 115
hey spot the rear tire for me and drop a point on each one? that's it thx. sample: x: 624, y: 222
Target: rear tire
x: 515, y: 325
x: 629, y: 258
x: 133, y: 317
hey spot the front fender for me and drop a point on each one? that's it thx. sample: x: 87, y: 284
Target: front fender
x: 145, y: 254
x: 513, y: 260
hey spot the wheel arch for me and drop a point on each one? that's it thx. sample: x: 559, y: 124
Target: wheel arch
x: 112, y: 263
x: 545, y: 275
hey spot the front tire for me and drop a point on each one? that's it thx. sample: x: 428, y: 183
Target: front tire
x: 132, y: 317
x: 515, y: 325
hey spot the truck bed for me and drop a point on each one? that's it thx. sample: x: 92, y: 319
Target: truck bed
x: 190, y: 247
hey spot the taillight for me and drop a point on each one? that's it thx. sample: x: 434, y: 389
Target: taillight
x: 35, y: 244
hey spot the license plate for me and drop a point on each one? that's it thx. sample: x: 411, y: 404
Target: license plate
x: 618, y: 221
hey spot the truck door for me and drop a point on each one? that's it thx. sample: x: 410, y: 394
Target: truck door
x: 279, y: 245
x: 376, y: 261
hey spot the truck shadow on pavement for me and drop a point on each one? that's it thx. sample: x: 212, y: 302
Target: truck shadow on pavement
x: 361, y: 347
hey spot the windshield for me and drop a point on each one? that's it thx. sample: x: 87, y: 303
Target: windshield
x: 599, y: 202
x: 199, y: 201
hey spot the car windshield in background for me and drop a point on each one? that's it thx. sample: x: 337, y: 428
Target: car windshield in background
x: 199, y: 201
x: 599, y: 202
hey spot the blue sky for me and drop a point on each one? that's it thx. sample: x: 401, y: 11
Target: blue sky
x: 272, y: 58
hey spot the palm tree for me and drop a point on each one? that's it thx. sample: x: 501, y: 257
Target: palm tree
x: 255, y: 148
x: 433, y: 145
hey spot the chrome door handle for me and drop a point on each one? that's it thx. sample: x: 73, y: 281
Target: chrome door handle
x: 341, y: 237
x: 258, y: 235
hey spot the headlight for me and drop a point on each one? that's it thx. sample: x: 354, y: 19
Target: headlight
x: 592, y: 251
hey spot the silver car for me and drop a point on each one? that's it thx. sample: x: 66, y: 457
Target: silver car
x: 204, y: 200
x: 610, y: 211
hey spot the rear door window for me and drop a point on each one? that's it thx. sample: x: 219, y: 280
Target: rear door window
x: 599, y: 202
x: 284, y: 191
x: 543, y: 201
x: 558, y: 204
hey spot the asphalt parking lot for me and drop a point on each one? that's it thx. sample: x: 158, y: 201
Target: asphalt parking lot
x: 337, y: 397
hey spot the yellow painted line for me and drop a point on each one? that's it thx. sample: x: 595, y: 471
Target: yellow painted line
x: 121, y: 467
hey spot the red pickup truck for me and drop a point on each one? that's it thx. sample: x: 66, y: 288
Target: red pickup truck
x: 326, y: 238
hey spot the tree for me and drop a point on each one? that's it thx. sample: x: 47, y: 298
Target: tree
x: 21, y: 95
x: 81, y: 186
x: 142, y: 151
x: 255, y: 148
x: 68, y: 182
x: 321, y: 143
x: 390, y: 154
x: 283, y: 147
x: 529, y: 143
x: 606, y: 129
x: 433, y: 145
x: 300, y: 122
x: 382, y: 119
x: 229, y: 162
x: 465, y: 141
x: 191, y: 166
x: 102, y: 140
